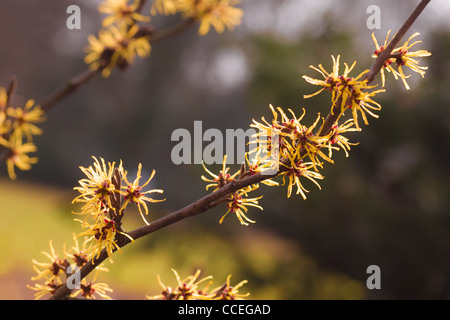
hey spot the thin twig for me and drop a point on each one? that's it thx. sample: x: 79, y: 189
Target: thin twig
x: 11, y: 92
x: 213, y: 199
x: 4, y: 154
x: 71, y: 86
x: 172, y: 31
x: 79, y: 80
x: 141, y: 5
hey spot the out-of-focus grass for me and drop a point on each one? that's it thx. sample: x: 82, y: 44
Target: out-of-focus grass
x: 275, y: 268
x: 30, y: 215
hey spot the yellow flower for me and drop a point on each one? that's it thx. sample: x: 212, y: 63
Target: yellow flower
x: 97, y: 189
x: 101, y: 53
x: 258, y: 164
x: 133, y: 193
x: 221, y: 179
x: 377, y: 52
x: 101, y: 235
x: 294, y: 139
x: 295, y: 171
x: 305, y: 139
x: 339, y: 139
x: 285, y: 129
x: 341, y: 86
x: 116, y: 47
x: 330, y: 82
x: 237, y: 204
x: 351, y: 92
x: 89, y: 289
x: 402, y: 57
x: 267, y: 133
x: 4, y: 123
x: 219, y: 14
x: 49, y: 287
x: 361, y: 101
x: 186, y: 289
x: 165, y: 7
x: 51, y: 269
x: 80, y: 255
x: 24, y: 119
x: 405, y: 58
x: 17, y: 155
x: 120, y: 11
x: 228, y: 292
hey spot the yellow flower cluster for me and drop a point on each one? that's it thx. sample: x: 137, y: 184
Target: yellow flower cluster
x: 302, y: 152
x: 122, y: 39
x: 105, y: 200
x: 298, y: 145
x: 17, y: 128
x: 59, y: 269
x: 187, y: 289
x: 402, y: 56
x: 350, y: 93
x: 238, y: 201
x: 219, y: 14
x: 298, y: 151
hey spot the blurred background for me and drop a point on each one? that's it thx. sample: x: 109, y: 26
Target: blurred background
x: 387, y: 204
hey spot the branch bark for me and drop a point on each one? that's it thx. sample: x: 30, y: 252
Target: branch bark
x: 71, y: 86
